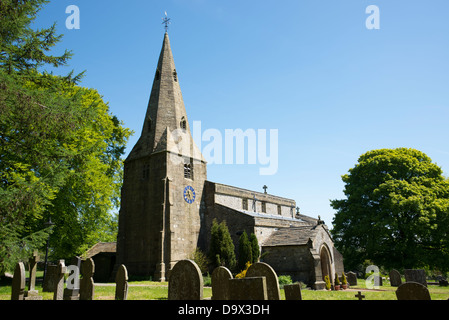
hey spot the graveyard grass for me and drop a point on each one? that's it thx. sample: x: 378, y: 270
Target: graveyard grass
x: 148, y: 290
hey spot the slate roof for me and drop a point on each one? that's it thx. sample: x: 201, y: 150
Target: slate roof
x: 295, y: 236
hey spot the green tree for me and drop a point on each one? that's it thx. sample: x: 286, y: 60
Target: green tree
x: 255, y: 250
x: 60, y: 147
x: 221, y: 251
x: 396, y: 212
x: 245, y: 251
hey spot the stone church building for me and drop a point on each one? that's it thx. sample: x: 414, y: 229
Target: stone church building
x: 168, y: 205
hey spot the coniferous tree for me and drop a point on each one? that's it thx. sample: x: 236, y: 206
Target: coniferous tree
x: 245, y: 251
x: 255, y: 250
x: 221, y: 252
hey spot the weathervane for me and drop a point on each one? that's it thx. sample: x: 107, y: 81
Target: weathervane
x: 166, y: 21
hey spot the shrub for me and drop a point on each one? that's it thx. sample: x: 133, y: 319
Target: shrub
x: 242, y: 274
x: 284, y: 279
x: 328, y: 282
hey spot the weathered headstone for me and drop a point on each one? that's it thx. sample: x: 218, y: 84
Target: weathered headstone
x: 50, y: 278
x: 293, y: 291
x: 87, y: 288
x: 412, y: 291
x: 415, y: 275
x: 248, y: 288
x: 18, y: 282
x: 220, y: 283
x: 351, y: 277
x: 395, y: 278
x: 121, y: 283
x: 72, y: 292
x: 185, y: 282
x: 58, y: 292
x: 262, y: 269
x: 32, y: 293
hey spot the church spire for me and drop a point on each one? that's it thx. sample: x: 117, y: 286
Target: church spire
x: 165, y: 126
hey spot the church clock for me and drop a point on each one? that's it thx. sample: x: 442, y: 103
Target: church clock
x: 189, y: 194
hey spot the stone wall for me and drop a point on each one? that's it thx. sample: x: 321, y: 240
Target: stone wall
x: 295, y: 261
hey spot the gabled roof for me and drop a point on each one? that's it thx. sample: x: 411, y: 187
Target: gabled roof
x: 296, y: 236
x: 99, y: 248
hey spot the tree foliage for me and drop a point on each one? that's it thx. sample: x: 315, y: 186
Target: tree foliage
x: 396, y: 212
x: 245, y: 251
x: 60, y: 147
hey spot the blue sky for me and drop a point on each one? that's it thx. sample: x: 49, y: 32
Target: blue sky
x: 309, y: 68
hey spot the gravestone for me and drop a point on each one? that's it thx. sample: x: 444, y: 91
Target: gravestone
x: 58, y: 292
x: 248, y: 288
x: 293, y: 291
x: 412, y: 291
x: 72, y: 292
x: 220, y: 283
x: 395, y: 278
x: 121, y: 283
x: 87, y: 288
x: 32, y: 293
x: 50, y: 278
x: 185, y: 282
x: 18, y: 282
x: 415, y: 275
x: 351, y: 277
x: 262, y: 269
x: 360, y: 296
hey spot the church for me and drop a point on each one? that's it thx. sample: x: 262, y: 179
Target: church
x: 168, y: 205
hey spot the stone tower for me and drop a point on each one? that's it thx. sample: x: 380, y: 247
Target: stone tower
x: 159, y: 219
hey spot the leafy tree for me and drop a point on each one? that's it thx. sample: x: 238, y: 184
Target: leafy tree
x: 221, y: 251
x: 396, y: 212
x: 60, y: 147
x: 245, y: 251
x: 255, y: 250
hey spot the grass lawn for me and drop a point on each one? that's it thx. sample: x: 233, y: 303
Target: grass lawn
x: 148, y: 290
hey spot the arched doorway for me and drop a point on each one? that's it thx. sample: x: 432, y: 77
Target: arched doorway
x: 325, y: 258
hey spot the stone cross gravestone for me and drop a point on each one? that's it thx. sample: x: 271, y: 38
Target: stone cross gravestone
x: 87, y: 288
x: 220, y: 283
x: 33, y: 266
x: 185, y: 282
x: 121, y: 283
x: 359, y: 295
x: 412, y: 291
x: 32, y: 293
x: 18, y: 282
x: 415, y: 275
x: 395, y: 278
x: 262, y: 269
x: 58, y: 292
x: 293, y: 291
x: 248, y: 288
x: 351, y: 277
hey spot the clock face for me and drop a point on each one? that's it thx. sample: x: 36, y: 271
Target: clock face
x: 189, y: 194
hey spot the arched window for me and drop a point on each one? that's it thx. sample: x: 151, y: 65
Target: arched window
x: 175, y: 75
x: 158, y: 75
x: 183, y: 123
x: 188, y: 172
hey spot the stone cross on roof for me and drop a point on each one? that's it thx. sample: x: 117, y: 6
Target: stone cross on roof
x: 265, y: 188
